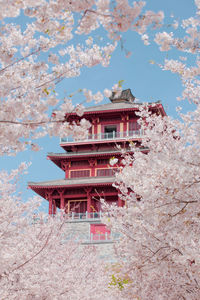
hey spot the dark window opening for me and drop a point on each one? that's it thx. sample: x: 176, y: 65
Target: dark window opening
x: 110, y: 131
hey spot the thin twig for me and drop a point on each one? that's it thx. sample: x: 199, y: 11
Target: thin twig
x: 15, y: 62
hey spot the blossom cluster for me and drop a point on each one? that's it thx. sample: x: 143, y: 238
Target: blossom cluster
x: 36, y: 56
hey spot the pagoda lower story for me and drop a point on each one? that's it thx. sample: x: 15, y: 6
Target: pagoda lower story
x: 78, y: 196
x: 80, y: 201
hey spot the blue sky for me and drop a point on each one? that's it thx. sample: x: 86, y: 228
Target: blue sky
x: 147, y: 82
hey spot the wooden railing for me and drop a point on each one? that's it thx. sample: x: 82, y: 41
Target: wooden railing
x: 84, y: 216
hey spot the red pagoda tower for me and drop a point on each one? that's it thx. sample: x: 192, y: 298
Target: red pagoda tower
x: 88, y: 173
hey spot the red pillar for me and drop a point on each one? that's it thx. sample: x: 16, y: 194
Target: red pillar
x: 95, y: 124
x: 67, y: 172
x: 92, y: 163
x: 54, y: 207
x: 65, y: 167
x: 62, y: 200
x: 124, y: 119
x: 93, y: 172
x: 88, y: 202
x: 88, y: 190
x: 125, y: 126
x: 49, y: 197
x: 95, y: 128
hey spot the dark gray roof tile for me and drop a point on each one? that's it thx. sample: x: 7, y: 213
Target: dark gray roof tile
x: 75, y: 181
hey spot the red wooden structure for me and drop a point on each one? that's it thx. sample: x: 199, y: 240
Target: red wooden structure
x: 88, y: 174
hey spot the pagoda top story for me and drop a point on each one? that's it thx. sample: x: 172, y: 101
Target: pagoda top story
x: 124, y: 102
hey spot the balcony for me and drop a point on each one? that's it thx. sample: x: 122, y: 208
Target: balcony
x: 86, y: 216
x: 105, y: 136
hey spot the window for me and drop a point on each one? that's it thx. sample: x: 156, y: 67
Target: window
x: 106, y: 172
x: 80, y: 173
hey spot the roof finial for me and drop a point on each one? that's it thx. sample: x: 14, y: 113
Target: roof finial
x: 125, y: 96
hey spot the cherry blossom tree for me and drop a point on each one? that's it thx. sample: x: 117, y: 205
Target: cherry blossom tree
x: 39, y: 49
x: 159, y: 225
x: 37, y: 261
x: 159, y: 246
x: 160, y: 222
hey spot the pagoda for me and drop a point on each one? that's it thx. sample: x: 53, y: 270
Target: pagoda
x: 89, y: 175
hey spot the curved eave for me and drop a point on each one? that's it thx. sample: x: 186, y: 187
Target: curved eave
x: 101, y: 141
x: 58, y: 158
x: 82, y: 155
x: 155, y: 105
x: 33, y: 187
x: 71, y: 183
x: 110, y: 110
x: 160, y: 106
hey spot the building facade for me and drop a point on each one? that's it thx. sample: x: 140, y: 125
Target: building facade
x: 89, y: 175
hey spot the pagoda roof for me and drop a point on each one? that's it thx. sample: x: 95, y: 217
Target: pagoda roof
x: 121, y: 106
x: 89, y: 181
x: 84, y: 154
x: 91, y: 154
